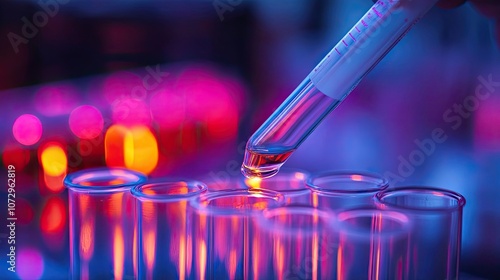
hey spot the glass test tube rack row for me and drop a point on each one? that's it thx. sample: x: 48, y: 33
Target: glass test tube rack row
x: 336, y: 225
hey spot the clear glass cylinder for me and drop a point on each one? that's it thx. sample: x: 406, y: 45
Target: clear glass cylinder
x: 436, y: 235
x: 227, y: 241
x: 291, y: 183
x: 345, y: 189
x: 101, y: 218
x: 373, y: 244
x: 164, y: 229
x: 304, y: 242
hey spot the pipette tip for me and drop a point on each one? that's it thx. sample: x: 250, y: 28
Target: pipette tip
x: 259, y: 173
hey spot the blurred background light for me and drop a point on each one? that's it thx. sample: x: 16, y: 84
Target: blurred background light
x: 53, y: 217
x: 114, y: 145
x: 486, y: 125
x: 168, y: 108
x: 86, y: 122
x: 131, y: 111
x: 53, y: 183
x: 31, y: 264
x: 135, y: 148
x: 54, y: 100
x: 141, y: 150
x: 24, y: 211
x: 27, y: 129
x: 15, y: 154
x: 53, y: 159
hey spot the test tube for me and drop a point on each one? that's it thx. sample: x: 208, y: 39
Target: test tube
x: 164, y: 228
x: 434, y: 241
x: 228, y: 243
x: 101, y: 218
x: 339, y: 190
x: 291, y: 183
x: 383, y: 25
x: 304, y: 242
x: 373, y: 244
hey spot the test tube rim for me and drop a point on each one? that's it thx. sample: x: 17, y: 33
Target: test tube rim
x: 286, y: 170
x: 197, y: 202
x: 139, y: 194
x: 265, y: 224
x: 342, y: 226
x: 400, y: 190
x: 77, y: 187
x: 381, y: 183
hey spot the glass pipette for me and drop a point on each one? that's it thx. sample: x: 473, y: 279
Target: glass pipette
x: 373, y: 36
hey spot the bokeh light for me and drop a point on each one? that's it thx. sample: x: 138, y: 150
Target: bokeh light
x: 131, y: 111
x: 86, y: 122
x: 168, y: 108
x: 53, y: 159
x: 486, y: 128
x: 190, y: 137
x: 55, y: 184
x: 210, y: 101
x: 141, y: 150
x: 31, y: 264
x: 135, y: 148
x: 24, y: 211
x: 54, y: 100
x: 14, y: 154
x: 53, y: 217
x: 114, y: 145
x: 27, y: 129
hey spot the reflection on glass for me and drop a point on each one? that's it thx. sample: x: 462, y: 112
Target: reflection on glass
x: 345, y: 190
x: 304, y: 242
x: 228, y: 244
x: 373, y: 244
x: 436, y: 235
x: 101, y: 212
x: 164, y: 228
x: 291, y: 183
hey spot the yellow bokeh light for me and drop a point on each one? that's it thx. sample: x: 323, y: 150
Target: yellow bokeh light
x: 140, y: 150
x: 128, y: 149
x: 54, y: 160
x: 134, y: 147
x: 113, y: 145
